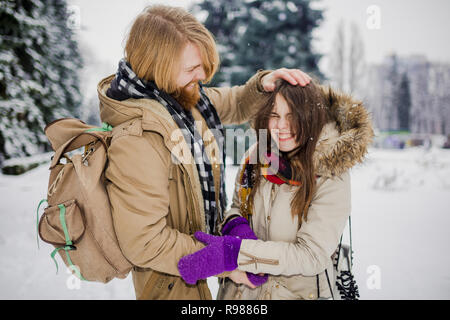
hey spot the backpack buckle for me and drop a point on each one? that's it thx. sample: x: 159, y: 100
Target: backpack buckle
x: 88, y: 150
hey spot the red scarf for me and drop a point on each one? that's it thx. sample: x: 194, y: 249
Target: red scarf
x: 284, y: 173
x: 247, y: 177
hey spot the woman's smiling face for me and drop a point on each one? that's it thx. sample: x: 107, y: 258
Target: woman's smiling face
x: 280, y: 125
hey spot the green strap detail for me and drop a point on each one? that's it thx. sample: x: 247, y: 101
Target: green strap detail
x: 105, y: 127
x: 73, y: 267
x: 52, y: 255
x: 37, y: 221
x: 62, y: 218
x: 69, y: 245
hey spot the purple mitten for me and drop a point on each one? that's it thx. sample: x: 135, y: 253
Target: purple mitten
x: 256, y: 279
x: 239, y: 227
x: 219, y: 255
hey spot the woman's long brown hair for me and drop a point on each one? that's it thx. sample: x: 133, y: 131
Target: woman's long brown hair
x: 309, y: 110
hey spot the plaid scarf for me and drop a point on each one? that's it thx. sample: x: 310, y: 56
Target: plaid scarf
x: 248, y: 177
x: 127, y: 84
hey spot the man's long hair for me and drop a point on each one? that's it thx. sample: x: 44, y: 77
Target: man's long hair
x: 156, y: 40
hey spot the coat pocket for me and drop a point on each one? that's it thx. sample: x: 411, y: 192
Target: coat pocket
x: 62, y: 224
x: 160, y: 286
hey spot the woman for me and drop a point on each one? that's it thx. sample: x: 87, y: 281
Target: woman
x: 285, y: 224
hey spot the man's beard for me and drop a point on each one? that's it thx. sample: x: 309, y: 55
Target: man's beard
x: 188, y: 97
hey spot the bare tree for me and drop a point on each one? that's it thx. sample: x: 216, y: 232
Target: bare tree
x: 439, y: 97
x: 337, y: 58
x: 347, y: 58
x: 356, y: 64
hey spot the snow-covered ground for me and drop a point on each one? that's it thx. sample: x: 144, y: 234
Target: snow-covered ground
x: 400, y: 223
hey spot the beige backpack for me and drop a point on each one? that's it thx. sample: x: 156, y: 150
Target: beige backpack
x: 77, y: 220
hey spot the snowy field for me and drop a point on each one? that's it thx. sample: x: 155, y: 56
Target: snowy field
x: 400, y: 223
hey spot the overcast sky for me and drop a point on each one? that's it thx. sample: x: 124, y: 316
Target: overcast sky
x: 406, y: 27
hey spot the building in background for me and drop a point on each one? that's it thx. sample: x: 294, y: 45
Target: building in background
x: 409, y: 93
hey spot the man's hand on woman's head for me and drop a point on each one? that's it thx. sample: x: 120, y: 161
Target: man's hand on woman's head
x: 293, y: 76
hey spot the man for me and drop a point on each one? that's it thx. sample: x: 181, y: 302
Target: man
x: 157, y: 105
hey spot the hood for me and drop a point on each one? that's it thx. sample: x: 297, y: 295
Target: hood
x: 112, y: 111
x: 115, y: 112
x: 344, y: 141
x: 151, y: 112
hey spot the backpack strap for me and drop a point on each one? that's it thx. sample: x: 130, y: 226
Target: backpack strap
x: 339, y: 253
x: 105, y: 128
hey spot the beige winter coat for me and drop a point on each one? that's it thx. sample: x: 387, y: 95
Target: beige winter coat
x: 157, y: 203
x: 293, y: 255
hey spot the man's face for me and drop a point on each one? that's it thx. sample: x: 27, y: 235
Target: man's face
x: 190, y: 73
x: 191, y: 67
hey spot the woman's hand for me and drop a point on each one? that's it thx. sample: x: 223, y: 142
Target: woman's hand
x: 293, y: 76
x: 240, y: 277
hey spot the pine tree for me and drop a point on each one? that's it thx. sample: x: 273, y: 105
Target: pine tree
x: 390, y: 93
x: 64, y: 58
x: 39, y: 61
x: 256, y: 35
x: 404, y: 103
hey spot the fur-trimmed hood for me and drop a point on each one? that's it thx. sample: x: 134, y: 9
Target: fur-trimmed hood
x: 344, y: 141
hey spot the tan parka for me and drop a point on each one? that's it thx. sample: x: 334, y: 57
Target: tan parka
x: 155, y: 195
x: 294, y: 255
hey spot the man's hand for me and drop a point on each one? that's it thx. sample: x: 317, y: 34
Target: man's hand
x: 219, y: 255
x: 293, y: 76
